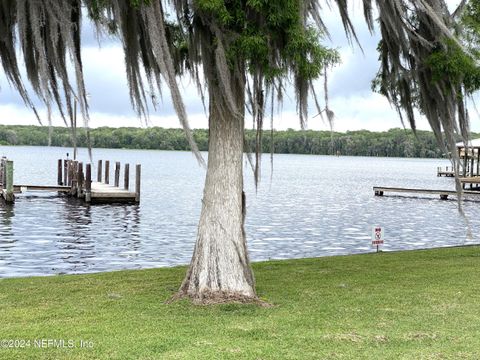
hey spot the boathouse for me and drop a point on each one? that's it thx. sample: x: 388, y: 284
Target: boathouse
x: 469, y: 167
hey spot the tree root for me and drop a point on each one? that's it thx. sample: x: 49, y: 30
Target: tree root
x: 216, y: 298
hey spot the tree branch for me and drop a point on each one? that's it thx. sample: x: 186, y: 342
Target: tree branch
x: 459, y: 11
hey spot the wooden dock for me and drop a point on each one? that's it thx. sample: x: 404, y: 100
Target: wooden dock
x: 75, y: 181
x: 444, y: 194
x: 447, y: 172
x: 107, y: 193
x: 71, y: 173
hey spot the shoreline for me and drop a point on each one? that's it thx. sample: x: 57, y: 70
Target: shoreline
x: 272, y: 260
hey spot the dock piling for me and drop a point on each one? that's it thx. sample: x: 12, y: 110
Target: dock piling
x: 99, y: 171
x: 138, y: 171
x: 72, y: 177
x: 80, y: 179
x: 59, y: 172
x: 117, y: 174
x: 65, y: 172
x: 7, y: 180
x: 107, y: 172
x: 2, y: 172
x: 478, y: 162
x: 70, y: 173
x: 88, y: 183
x: 126, y: 180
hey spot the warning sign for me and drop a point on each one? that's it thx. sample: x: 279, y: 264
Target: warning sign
x: 378, y: 235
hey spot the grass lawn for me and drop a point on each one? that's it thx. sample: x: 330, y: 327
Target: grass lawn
x: 406, y: 305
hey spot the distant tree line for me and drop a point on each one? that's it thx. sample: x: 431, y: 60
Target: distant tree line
x: 392, y: 143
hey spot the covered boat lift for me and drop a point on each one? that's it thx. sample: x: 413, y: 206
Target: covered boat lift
x: 469, y: 155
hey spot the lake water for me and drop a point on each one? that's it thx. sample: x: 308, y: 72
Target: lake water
x: 313, y: 206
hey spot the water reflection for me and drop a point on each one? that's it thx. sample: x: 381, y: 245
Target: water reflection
x: 7, y: 239
x: 74, y: 244
x: 56, y: 235
x: 6, y: 215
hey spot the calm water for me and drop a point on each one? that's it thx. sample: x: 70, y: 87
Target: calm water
x: 314, y: 206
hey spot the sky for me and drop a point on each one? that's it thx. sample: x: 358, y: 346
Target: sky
x: 354, y: 104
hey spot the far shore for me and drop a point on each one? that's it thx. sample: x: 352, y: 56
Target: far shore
x: 392, y: 143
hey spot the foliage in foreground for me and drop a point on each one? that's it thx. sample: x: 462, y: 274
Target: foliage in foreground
x: 408, y: 305
x: 393, y: 143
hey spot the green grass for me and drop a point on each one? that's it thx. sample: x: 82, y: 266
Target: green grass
x: 406, y: 305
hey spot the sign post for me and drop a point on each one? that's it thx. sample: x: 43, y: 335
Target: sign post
x: 378, y: 236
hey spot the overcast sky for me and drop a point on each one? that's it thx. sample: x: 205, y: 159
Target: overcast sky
x: 351, y: 98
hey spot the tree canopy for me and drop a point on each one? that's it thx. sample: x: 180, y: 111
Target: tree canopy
x: 429, y: 56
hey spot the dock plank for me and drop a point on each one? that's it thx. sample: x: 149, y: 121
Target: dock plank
x: 379, y: 191
x: 57, y: 188
x: 470, y: 180
x: 105, y: 191
x: 446, y: 173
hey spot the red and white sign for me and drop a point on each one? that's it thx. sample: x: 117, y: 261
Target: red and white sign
x: 378, y: 235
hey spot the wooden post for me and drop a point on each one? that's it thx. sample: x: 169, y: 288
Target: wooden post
x: 99, y: 171
x: 59, y: 172
x: 80, y: 179
x: 72, y: 177
x: 8, y: 190
x: 70, y: 172
x: 138, y: 175
x: 126, y: 178
x: 107, y: 172
x: 117, y: 174
x: 457, y: 169
x: 88, y: 182
x: 478, y: 161
x: 2, y: 172
x: 65, y: 172
x: 471, y: 164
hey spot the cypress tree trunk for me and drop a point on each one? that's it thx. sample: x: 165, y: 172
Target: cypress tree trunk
x: 220, y: 268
